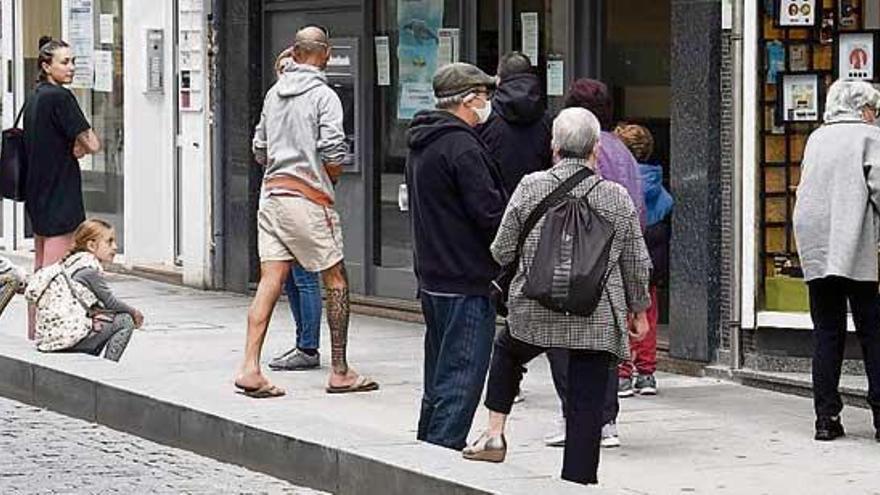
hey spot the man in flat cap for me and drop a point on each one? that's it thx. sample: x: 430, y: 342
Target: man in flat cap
x: 456, y: 200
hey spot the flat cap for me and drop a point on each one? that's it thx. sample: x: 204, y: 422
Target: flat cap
x: 456, y: 78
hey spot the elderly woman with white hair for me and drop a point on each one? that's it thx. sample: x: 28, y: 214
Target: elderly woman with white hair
x: 596, y: 342
x: 836, y: 221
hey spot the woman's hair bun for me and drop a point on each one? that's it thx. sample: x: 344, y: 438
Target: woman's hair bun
x: 43, y: 40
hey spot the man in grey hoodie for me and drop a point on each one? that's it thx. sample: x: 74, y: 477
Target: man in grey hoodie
x: 301, y: 143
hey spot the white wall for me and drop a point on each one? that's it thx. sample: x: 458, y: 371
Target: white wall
x: 149, y: 141
x: 195, y: 160
x: 150, y: 155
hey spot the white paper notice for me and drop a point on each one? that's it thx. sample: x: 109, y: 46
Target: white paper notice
x: 447, y: 46
x: 444, y: 51
x: 555, y: 78
x: 106, y: 29
x: 104, y: 71
x: 383, y: 61
x: 81, y: 35
x: 530, y: 35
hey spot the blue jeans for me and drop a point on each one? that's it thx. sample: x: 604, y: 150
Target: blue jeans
x: 458, y: 344
x: 304, y: 294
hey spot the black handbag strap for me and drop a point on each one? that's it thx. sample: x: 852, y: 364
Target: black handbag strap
x: 20, y: 113
x: 545, y: 204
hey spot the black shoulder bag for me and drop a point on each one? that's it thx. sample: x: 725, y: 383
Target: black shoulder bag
x: 500, y: 289
x: 13, y: 162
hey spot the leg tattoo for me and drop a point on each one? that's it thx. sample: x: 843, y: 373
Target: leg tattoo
x: 338, y: 311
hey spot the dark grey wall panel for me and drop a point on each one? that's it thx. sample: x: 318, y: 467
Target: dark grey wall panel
x: 695, y: 179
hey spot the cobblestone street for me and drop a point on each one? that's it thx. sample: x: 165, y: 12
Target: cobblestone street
x: 43, y: 452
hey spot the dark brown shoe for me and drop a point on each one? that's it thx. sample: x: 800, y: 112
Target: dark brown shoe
x: 486, y: 448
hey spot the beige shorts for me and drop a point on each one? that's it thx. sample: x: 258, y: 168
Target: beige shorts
x: 293, y: 228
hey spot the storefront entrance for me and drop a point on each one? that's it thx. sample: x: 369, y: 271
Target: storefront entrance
x: 393, y: 52
x: 564, y: 41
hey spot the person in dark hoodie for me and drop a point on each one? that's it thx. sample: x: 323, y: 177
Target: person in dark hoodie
x: 518, y: 132
x: 456, y: 200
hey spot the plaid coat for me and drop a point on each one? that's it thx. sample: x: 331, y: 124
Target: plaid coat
x: 629, y: 265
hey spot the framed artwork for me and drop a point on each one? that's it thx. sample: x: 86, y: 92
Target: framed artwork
x: 796, y: 13
x: 855, y: 56
x: 799, y: 57
x: 799, y: 98
x: 775, y: 60
x: 826, y: 31
x: 849, y: 15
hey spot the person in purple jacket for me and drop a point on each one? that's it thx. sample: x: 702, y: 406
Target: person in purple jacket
x: 616, y: 164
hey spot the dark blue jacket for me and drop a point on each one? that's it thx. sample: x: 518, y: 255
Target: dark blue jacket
x: 456, y: 202
x: 518, y: 132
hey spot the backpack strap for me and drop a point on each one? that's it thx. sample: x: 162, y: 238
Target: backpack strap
x: 554, y: 197
x: 73, y: 292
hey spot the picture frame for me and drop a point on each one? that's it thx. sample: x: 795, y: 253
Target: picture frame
x: 799, y: 57
x: 797, y: 13
x: 855, y: 55
x: 849, y: 15
x: 799, y: 98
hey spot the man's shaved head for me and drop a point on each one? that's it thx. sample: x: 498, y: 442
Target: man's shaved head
x: 311, y: 34
x: 312, y: 46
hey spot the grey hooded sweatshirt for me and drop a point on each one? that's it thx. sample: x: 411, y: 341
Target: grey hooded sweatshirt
x: 300, y: 130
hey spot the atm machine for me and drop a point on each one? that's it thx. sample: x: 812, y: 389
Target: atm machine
x: 342, y: 75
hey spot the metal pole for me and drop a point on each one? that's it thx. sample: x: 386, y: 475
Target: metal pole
x: 218, y: 150
x: 738, y: 130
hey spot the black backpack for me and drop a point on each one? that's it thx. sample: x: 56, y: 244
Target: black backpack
x: 500, y: 288
x: 570, y: 267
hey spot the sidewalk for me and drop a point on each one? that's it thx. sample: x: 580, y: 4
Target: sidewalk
x: 174, y: 385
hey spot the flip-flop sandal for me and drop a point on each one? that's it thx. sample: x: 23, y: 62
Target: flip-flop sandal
x: 362, y: 384
x: 265, y: 392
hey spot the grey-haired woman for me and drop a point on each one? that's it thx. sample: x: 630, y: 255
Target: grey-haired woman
x: 836, y: 221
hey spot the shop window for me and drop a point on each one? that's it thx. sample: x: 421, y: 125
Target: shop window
x: 797, y: 66
x: 100, y: 95
x: 421, y: 34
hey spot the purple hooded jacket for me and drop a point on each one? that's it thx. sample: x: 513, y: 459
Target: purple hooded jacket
x: 617, y: 164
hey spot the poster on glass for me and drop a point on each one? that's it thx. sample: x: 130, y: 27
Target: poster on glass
x: 799, y: 97
x: 856, y: 57
x: 796, y: 13
x: 417, y: 47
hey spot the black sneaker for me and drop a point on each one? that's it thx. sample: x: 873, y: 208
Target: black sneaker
x: 828, y: 429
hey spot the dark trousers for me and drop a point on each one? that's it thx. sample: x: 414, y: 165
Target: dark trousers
x: 458, y: 343
x: 828, y: 298
x: 559, y: 371
x: 587, y: 374
x: 110, y: 334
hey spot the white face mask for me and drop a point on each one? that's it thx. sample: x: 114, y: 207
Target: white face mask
x: 483, y: 113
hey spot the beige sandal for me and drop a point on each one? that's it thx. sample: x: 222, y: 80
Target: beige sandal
x: 486, y: 448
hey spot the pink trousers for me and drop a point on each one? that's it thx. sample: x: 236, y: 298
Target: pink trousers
x: 47, y: 250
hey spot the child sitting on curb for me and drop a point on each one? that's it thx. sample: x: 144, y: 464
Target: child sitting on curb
x: 76, y: 310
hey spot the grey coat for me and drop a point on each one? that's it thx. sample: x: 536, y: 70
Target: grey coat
x: 835, y: 217
x: 629, y: 267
